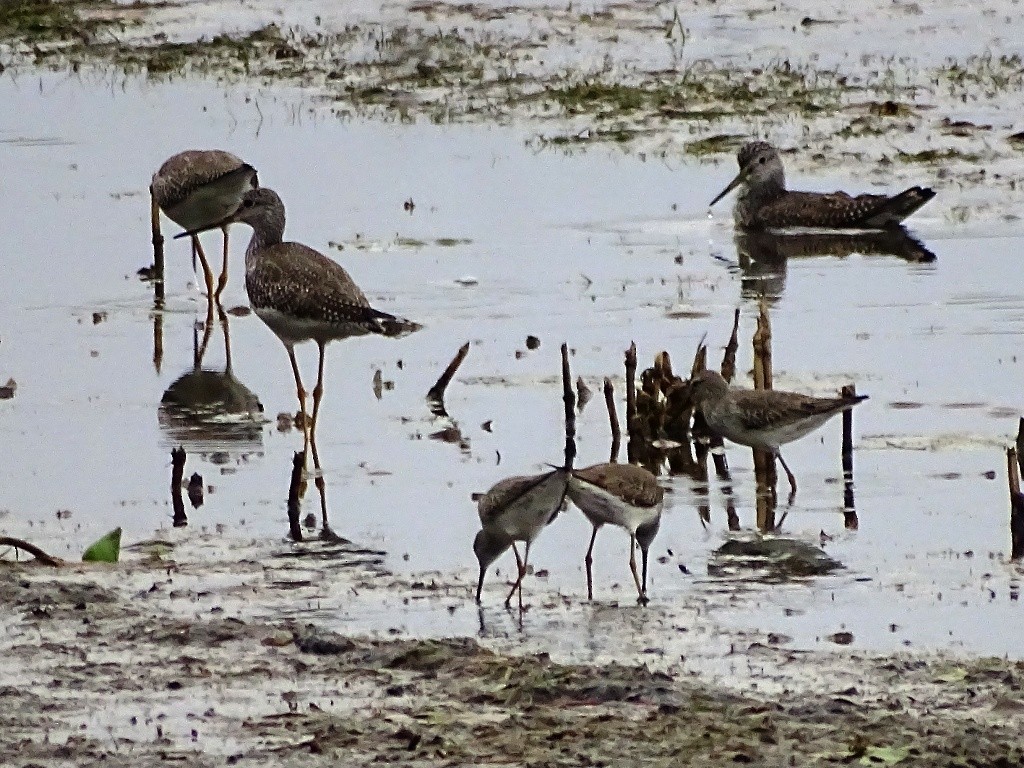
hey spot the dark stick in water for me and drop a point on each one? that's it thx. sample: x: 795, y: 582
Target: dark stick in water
x: 436, y: 393
x: 613, y: 418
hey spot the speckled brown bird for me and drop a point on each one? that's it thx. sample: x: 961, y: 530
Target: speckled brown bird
x: 624, y: 495
x: 302, y: 295
x: 763, y: 418
x: 764, y: 202
x: 199, y: 188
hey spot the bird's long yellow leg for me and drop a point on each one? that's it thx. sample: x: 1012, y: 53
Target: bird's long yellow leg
x: 207, y: 331
x: 789, y: 475
x: 521, y: 567
x: 318, y: 393
x: 207, y: 272
x: 632, y: 566
x: 301, y: 394
x: 223, y: 317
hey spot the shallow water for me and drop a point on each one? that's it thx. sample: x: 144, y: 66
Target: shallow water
x: 594, y: 248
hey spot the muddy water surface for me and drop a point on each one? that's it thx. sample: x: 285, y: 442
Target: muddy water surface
x: 596, y: 248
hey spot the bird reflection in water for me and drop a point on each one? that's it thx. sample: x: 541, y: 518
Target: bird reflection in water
x: 209, y: 411
x: 209, y: 408
x: 763, y: 256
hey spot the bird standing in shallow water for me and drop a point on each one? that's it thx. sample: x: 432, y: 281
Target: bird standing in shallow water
x: 765, y: 203
x: 515, y: 509
x: 624, y: 495
x: 302, y: 295
x: 198, y: 189
x: 762, y: 418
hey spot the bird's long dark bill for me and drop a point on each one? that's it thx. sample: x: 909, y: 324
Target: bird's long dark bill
x: 207, y: 228
x: 732, y: 185
x: 480, y: 584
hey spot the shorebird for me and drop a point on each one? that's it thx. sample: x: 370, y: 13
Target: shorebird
x: 302, y: 295
x: 765, y: 203
x: 624, y: 495
x: 762, y: 418
x: 516, y: 509
x: 197, y: 189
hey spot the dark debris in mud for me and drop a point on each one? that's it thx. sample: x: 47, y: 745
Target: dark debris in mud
x: 312, y: 697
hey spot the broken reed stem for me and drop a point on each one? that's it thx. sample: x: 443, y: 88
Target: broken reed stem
x: 32, y: 549
x: 850, y: 390
x: 729, y: 358
x: 763, y: 349
x: 177, y: 479
x: 569, y: 399
x: 631, y: 387
x: 764, y: 463
x: 663, y: 370
x: 1016, y: 505
x: 700, y: 361
x: 1020, y: 445
x: 158, y: 338
x: 294, y: 494
x: 613, y: 418
x: 436, y: 392
x: 583, y: 393
x: 158, y: 252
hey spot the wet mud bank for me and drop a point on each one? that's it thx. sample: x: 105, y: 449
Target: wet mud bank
x: 660, y: 78
x: 211, y: 653
x: 114, y: 672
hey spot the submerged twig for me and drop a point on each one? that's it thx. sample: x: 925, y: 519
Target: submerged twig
x: 32, y: 549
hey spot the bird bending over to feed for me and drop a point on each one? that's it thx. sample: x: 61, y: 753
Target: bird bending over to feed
x: 765, y: 203
x: 198, y: 189
x: 624, y: 495
x: 762, y: 418
x: 302, y: 295
x: 516, y: 509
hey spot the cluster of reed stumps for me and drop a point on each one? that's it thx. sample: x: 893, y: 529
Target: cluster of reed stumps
x: 664, y: 430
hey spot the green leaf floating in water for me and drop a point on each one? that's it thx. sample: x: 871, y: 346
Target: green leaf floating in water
x: 106, y: 550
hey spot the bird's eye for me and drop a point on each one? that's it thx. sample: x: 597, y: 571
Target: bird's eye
x: 248, y: 203
x: 762, y: 160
